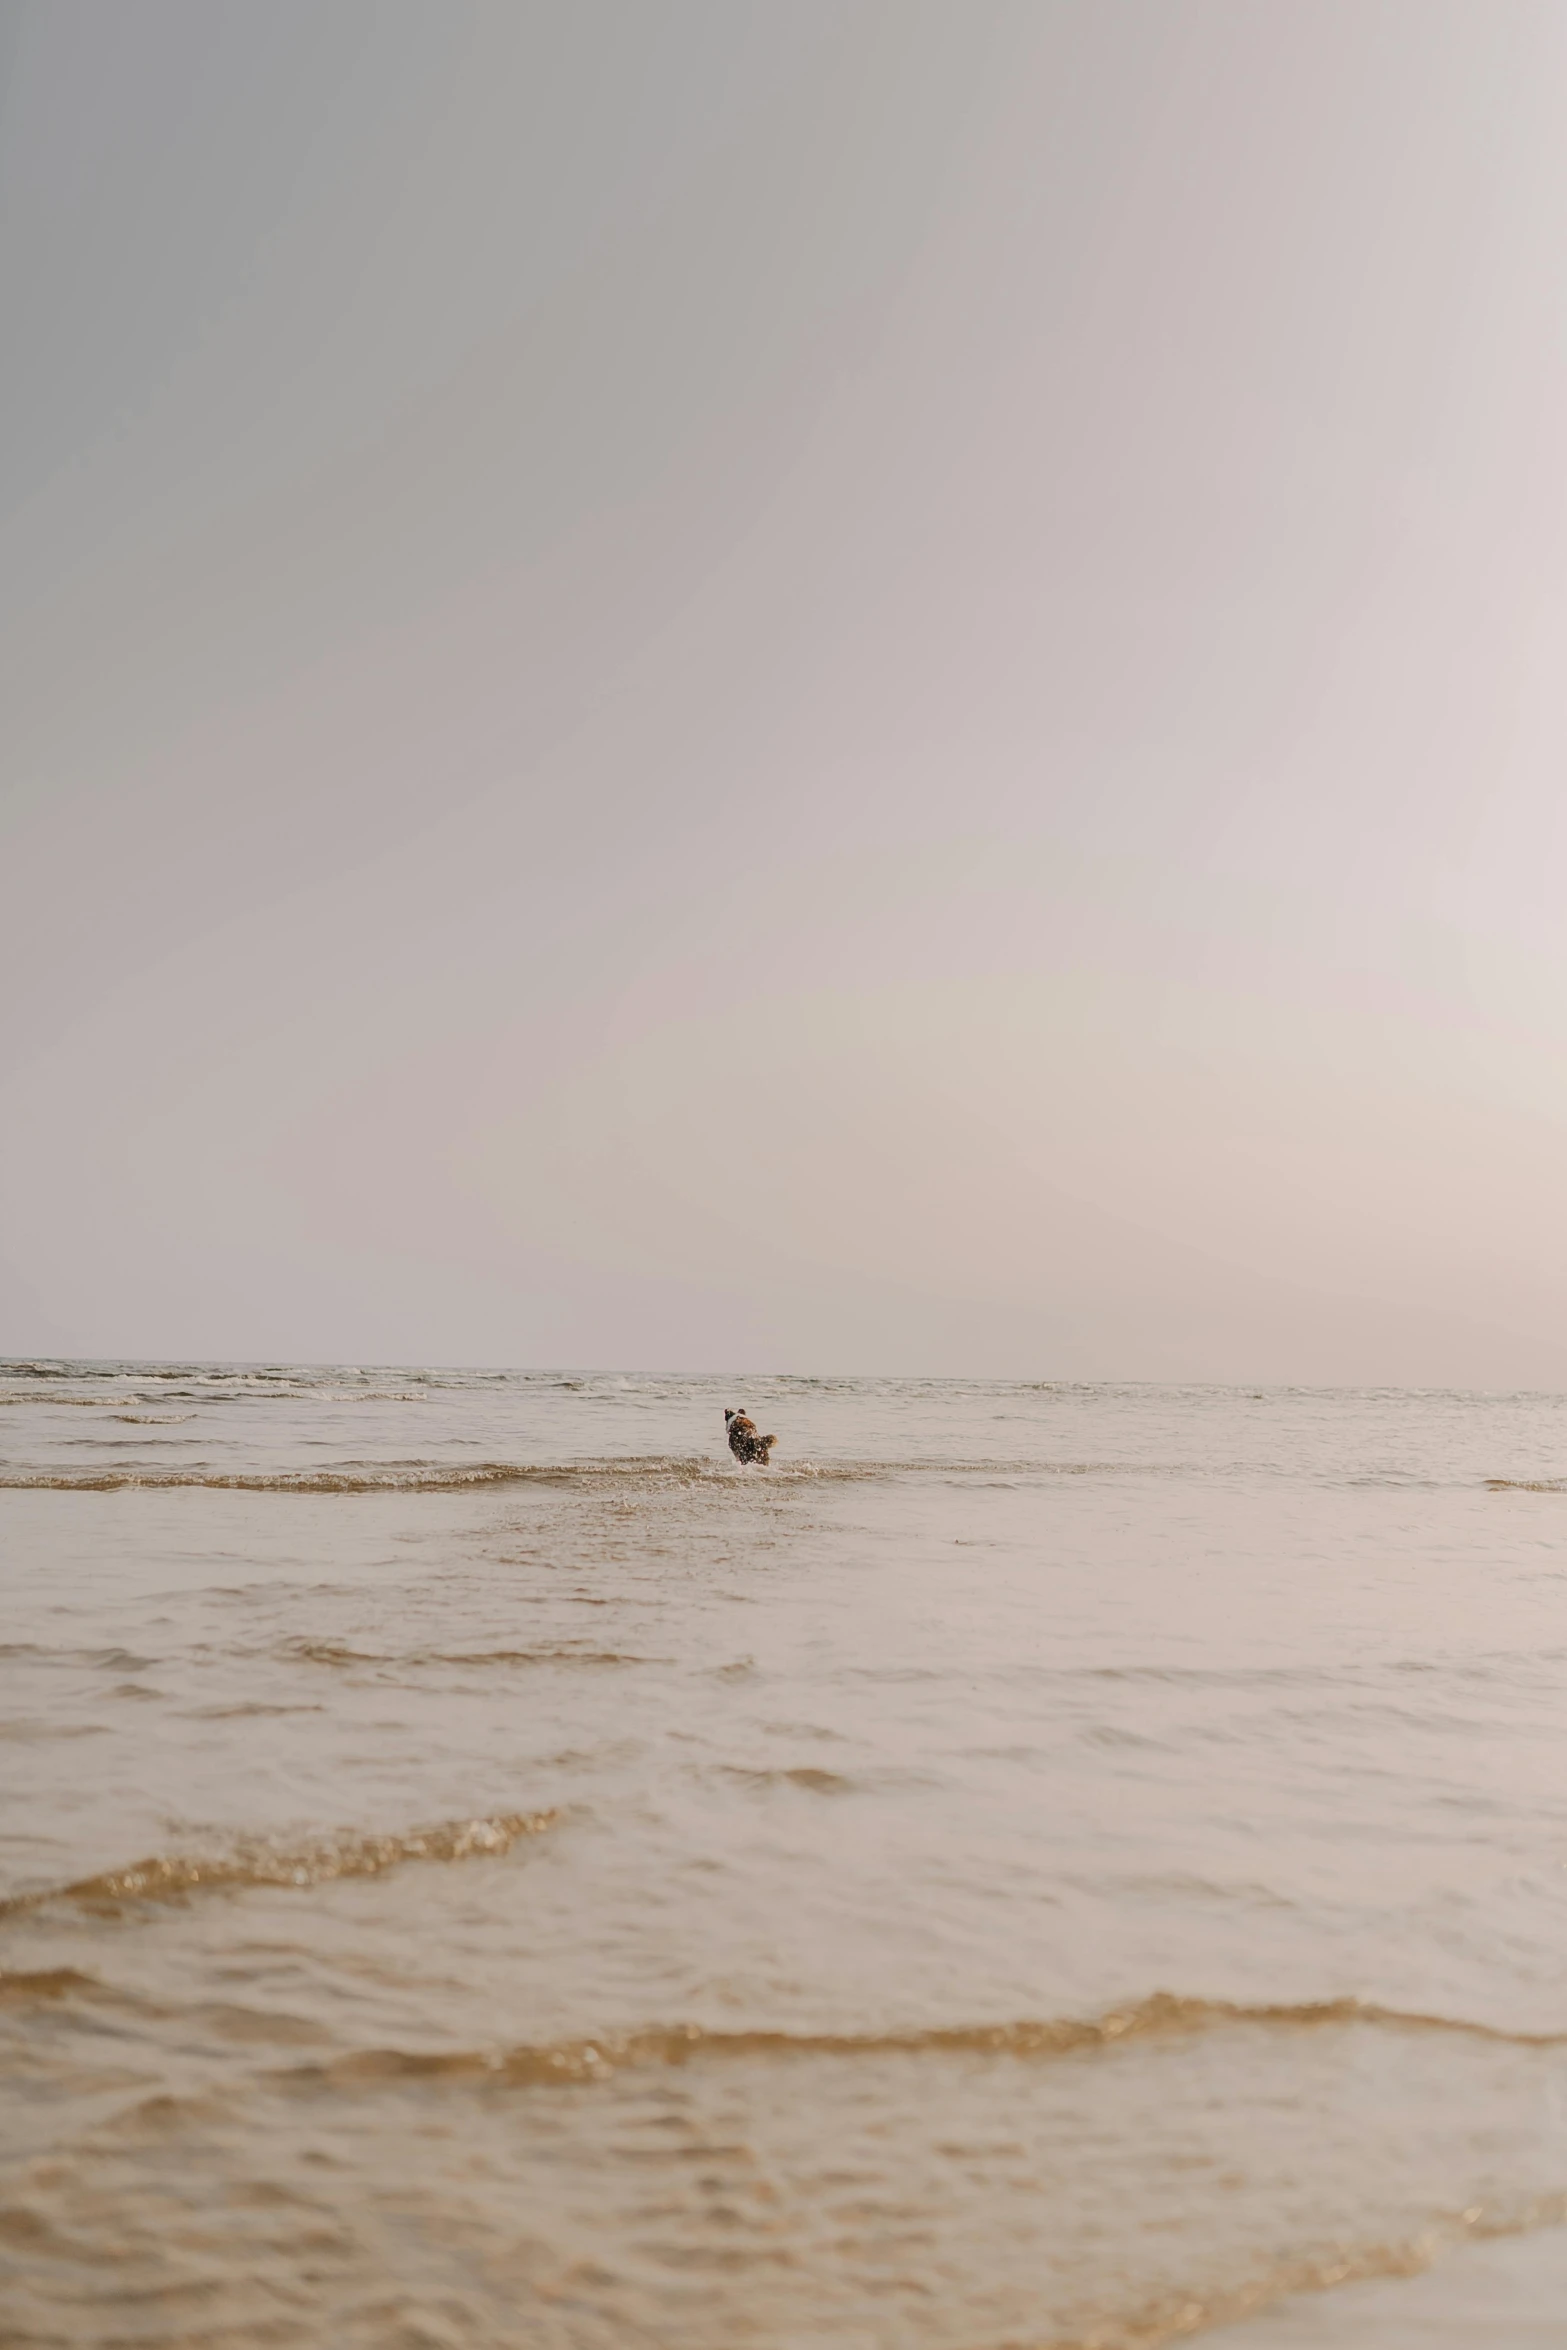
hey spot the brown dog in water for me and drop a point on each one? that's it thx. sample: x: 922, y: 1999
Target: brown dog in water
x: 744, y: 1442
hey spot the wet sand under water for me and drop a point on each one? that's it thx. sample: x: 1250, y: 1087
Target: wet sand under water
x: 1056, y: 1866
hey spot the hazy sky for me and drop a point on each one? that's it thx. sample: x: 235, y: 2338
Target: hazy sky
x: 813, y: 686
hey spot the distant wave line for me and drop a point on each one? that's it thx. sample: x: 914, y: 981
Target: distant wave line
x: 439, y: 1477
x: 301, y: 1649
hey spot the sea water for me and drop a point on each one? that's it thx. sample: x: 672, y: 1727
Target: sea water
x: 1040, y: 1865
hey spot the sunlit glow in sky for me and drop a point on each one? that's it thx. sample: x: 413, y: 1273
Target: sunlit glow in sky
x: 832, y: 686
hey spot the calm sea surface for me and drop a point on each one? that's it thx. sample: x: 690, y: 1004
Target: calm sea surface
x: 1039, y: 1866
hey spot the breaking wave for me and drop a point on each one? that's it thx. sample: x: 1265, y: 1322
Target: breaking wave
x: 86, y: 1403
x: 261, y: 1861
x: 1176, y: 2317
x: 1161, y: 2016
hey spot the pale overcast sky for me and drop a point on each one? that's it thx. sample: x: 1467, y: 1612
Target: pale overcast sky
x: 814, y: 686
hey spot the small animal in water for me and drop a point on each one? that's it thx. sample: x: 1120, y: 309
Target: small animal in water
x: 744, y: 1442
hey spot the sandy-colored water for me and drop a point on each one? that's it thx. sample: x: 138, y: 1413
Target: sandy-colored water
x: 1041, y: 1866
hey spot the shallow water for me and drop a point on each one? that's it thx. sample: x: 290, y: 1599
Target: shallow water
x: 1048, y: 1866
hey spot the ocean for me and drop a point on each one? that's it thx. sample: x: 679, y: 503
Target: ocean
x: 1042, y: 1867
